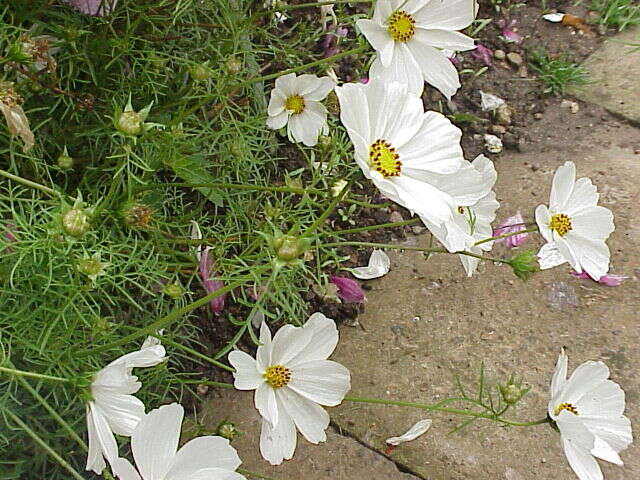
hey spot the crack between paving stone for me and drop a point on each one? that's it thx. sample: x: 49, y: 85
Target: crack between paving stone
x: 402, y: 467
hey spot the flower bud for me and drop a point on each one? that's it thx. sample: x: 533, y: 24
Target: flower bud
x: 234, y: 66
x: 227, y: 430
x: 289, y: 247
x: 76, y: 222
x: 512, y: 392
x: 200, y: 72
x: 92, y: 267
x: 524, y: 264
x: 174, y: 290
x: 130, y: 123
x: 136, y: 215
x: 65, y: 162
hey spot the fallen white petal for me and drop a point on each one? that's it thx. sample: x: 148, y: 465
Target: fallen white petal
x: 554, y: 17
x: 489, y: 102
x: 379, y: 265
x: 414, y: 432
x: 196, y: 234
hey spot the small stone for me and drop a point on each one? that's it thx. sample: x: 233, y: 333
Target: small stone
x: 395, y: 217
x: 498, y: 129
x: 499, y: 54
x: 417, y: 230
x: 523, y: 72
x: 503, y: 115
x: 510, y: 141
x: 561, y: 296
x: 538, y: 115
x: 523, y: 146
x: 492, y: 143
x: 572, y: 106
x: 515, y: 58
x: 535, y: 167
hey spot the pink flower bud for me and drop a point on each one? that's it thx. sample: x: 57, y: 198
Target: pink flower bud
x: 511, y: 225
x: 210, y: 285
x: 348, y: 289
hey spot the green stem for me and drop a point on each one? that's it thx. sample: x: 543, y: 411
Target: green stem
x: 319, y: 4
x: 72, y: 433
x: 39, y: 376
x: 36, y: 438
x: 417, y: 249
x: 197, y: 354
x: 328, y: 211
x: 237, y: 186
x: 29, y: 183
x: 510, y: 234
x: 299, y: 68
x: 163, y: 322
x: 438, y: 408
x: 411, y: 221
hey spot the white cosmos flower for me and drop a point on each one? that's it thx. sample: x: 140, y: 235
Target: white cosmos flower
x: 155, y: 449
x: 409, y: 36
x: 420, y: 428
x: 292, y: 378
x: 414, y: 157
x: 588, y: 410
x: 574, y: 226
x: 379, y: 265
x: 295, y: 102
x: 470, y: 223
x: 113, y: 408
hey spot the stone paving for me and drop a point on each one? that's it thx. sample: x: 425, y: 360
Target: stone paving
x: 614, y: 72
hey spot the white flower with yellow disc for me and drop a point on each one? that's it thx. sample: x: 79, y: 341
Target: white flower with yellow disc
x: 588, y: 410
x: 292, y: 378
x: 414, y: 157
x: 574, y: 226
x: 295, y: 102
x: 409, y: 37
x: 472, y: 223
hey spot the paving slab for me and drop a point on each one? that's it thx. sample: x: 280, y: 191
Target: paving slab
x: 614, y: 72
x: 425, y: 322
x: 340, y: 458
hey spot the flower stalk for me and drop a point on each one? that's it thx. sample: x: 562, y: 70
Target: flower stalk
x: 38, y: 376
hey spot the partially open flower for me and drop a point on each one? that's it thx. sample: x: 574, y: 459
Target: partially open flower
x: 131, y: 123
x: 17, y: 121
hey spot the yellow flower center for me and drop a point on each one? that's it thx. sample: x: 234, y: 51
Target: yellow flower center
x: 277, y: 376
x: 400, y: 26
x: 561, y: 223
x: 565, y: 406
x: 384, y: 159
x: 295, y: 103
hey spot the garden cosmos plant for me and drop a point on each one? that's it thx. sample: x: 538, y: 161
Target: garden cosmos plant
x: 588, y: 410
x: 574, y: 226
x: 154, y: 444
x: 413, y: 157
x: 470, y: 224
x: 113, y: 408
x: 409, y: 36
x: 295, y: 102
x: 292, y: 378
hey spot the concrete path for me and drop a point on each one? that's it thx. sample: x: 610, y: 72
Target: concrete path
x: 614, y: 71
